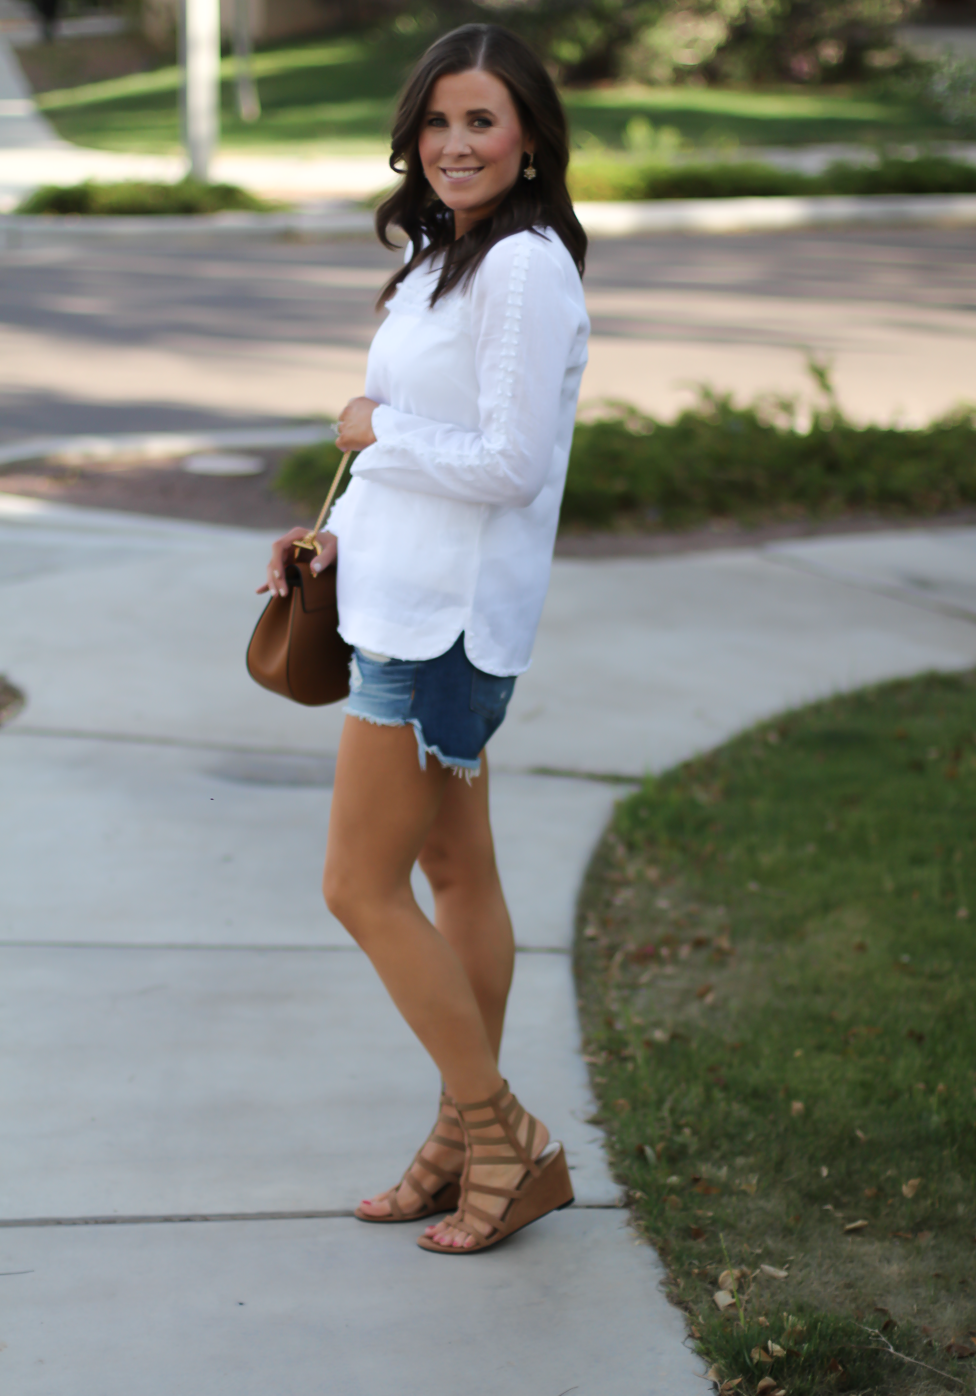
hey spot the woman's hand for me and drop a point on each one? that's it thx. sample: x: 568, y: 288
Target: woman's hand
x: 282, y: 551
x: 356, y: 424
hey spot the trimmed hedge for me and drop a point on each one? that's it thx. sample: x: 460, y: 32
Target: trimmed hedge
x: 612, y: 180
x: 718, y: 460
x: 140, y: 198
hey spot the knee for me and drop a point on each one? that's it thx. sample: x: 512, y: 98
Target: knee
x: 340, y: 895
x: 447, y: 867
x: 437, y: 865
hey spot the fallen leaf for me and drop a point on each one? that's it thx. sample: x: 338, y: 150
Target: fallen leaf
x: 773, y: 1273
x: 924, y: 1236
x: 707, y: 1189
x: 703, y: 991
x: 714, y: 1375
x: 910, y: 1188
x: 775, y: 1350
x: 727, y: 1280
x: 762, y: 1321
x: 904, y: 1235
x: 722, y: 1298
x: 861, y: 1137
x: 824, y: 1170
x: 696, y: 1233
x: 872, y: 1192
x: 855, y: 1226
x: 722, y: 943
x: 749, y: 1187
x: 761, y: 1355
x: 659, y: 1035
x: 961, y: 1347
x: 673, y: 1202
x: 766, y: 1387
x: 963, y: 913
x: 834, y: 1366
x: 728, y: 1387
x: 797, y: 1107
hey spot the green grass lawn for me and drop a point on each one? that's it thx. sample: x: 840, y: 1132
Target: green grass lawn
x: 338, y: 94
x: 776, y: 968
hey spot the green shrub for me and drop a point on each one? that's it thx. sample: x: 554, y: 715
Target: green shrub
x: 718, y: 460
x: 621, y: 179
x: 304, y: 477
x: 135, y: 197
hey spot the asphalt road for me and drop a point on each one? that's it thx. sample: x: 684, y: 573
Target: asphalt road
x: 155, y: 335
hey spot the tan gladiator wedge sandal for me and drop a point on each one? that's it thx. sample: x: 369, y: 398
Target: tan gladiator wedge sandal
x: 444, y: 1199
x: 543, y: 1187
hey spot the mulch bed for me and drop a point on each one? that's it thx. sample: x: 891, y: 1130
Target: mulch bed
x: 165, y: 489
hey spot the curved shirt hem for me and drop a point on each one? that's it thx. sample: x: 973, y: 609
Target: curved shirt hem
x: 412, y: 647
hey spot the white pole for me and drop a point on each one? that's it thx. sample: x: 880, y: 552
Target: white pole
x: 202, y: 30
x: 248, y: 102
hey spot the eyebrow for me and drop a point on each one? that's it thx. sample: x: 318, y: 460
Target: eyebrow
x: 474, y: 111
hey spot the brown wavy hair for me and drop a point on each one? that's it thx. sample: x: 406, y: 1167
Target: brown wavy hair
x: 529, y: 205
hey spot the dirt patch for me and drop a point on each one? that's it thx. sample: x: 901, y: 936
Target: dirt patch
x: 161, y: 488
x: 724, y: 533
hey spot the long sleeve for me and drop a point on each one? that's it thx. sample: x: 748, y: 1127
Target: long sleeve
x: 524, y: 323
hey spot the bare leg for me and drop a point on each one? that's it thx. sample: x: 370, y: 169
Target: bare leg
x: 384, y: 809
x: 458, y: 859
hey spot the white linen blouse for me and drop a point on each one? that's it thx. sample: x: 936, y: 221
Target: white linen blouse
x: 449, y: 521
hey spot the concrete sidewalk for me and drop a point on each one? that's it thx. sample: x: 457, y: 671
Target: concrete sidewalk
x: 192, y: 1038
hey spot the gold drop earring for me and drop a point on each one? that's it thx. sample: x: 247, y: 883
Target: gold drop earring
x: 530, y: 170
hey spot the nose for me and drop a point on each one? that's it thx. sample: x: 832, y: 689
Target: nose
x: 457, y: 142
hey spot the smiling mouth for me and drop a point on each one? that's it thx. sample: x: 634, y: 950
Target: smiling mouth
x: 461, y: 172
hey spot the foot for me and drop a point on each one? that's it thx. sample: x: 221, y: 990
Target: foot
x: 409, y: 1200
x: 463, y: 1230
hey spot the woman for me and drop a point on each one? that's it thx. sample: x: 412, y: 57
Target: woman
x: 446, y: 534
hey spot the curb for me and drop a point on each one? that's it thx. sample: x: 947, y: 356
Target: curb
x: 782, y: 211
x: 158, y: 445
x: 599, y: 219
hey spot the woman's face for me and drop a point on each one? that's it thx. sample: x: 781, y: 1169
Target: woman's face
x: 471, y: 144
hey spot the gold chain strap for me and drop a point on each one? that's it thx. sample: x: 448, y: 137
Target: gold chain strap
x: 310, y: 541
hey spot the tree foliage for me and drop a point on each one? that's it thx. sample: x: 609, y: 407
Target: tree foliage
x: 718, y: 40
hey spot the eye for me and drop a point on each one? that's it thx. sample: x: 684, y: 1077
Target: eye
x: 481, y: 121
x: 436, y: 121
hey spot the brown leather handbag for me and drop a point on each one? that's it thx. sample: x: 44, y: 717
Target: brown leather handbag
x: 296, y: 649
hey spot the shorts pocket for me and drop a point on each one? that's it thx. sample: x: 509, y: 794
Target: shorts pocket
x: 490, y: 695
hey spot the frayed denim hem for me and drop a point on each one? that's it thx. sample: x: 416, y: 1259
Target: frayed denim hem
x: 457, y: 765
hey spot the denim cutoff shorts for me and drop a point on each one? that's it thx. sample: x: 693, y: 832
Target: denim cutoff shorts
x: 452, y: 706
